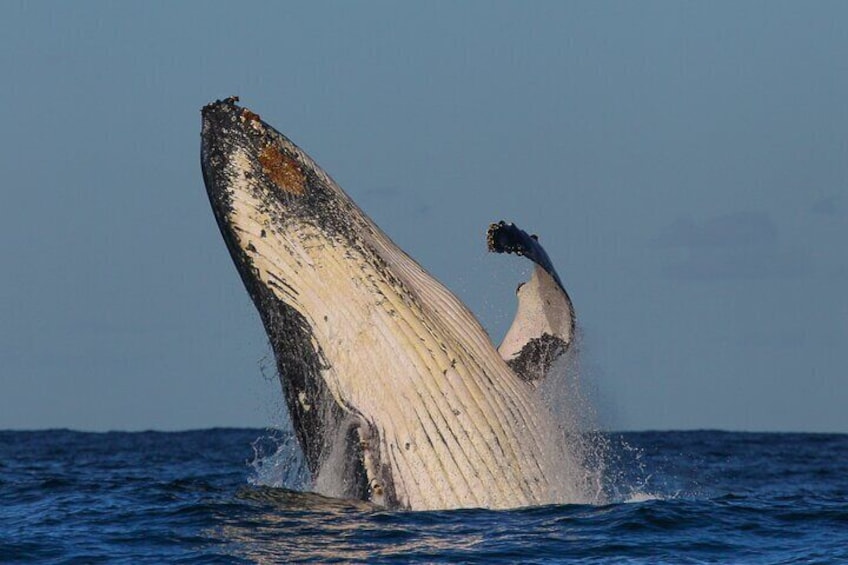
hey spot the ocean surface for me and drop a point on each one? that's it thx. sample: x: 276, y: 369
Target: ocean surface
x: 214, y: 496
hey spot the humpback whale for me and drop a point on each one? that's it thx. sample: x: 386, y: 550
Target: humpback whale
x: 395, y: 391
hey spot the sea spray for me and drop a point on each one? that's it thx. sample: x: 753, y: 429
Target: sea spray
x: 611, y: 470
x: 562, y: 392
x: 278, y: 461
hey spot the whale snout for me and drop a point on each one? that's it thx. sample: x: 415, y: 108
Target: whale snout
x: 266, y: 194
x: 227, y: 130
x: 220, y: 138
x: 240, y: 151
x: 220, y: 122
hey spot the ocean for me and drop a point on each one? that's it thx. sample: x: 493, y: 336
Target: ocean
x: 218, y: 496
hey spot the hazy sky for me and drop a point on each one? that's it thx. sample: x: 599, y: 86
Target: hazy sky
x: 685, y: 164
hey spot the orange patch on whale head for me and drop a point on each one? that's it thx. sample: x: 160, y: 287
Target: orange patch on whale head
x: 249, y: 116
x: 282, y: 170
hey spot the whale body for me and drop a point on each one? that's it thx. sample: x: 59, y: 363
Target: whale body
x: 395, y: 391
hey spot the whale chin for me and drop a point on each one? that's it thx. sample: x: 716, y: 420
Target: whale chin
x: 395, y: 391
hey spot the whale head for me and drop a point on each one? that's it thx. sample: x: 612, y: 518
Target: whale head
x: 282, y: 217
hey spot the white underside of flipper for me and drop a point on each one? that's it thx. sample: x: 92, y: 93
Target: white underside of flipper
x: 543, y: 310
x: 544, y: 323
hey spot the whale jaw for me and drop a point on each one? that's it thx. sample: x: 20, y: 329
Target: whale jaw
x: 395, y: 391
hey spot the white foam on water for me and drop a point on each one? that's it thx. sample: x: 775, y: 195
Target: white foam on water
x: 643, y: 497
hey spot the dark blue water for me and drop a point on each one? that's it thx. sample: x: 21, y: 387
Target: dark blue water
x: 192, y: 497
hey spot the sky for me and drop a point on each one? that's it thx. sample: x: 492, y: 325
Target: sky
x: 685, y: 165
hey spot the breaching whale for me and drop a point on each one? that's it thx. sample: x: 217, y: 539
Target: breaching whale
x: 395, y: 391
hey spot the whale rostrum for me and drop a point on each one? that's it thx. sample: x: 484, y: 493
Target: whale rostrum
x: 395, y: 391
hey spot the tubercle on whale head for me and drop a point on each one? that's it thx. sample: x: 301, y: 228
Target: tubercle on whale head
x: 228, y: 128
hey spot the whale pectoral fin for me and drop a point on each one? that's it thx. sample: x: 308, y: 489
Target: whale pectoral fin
x: 543, y: 327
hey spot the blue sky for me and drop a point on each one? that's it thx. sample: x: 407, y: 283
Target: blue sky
x: 685, y: 164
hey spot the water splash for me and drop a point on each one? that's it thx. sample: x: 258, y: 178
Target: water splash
x: 605, y: 470
x: 562, y: 392
x: 611, y: 470
x: 637, y: 497
x: 278, y: 462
